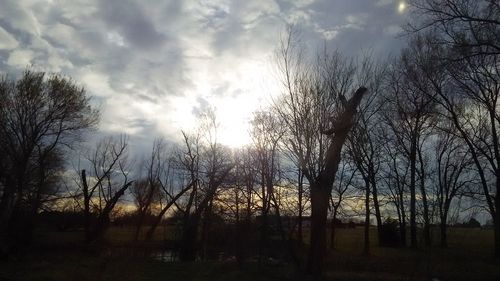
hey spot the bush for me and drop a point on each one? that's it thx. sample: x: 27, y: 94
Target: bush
x: 389, y: 235
x: 62, y: 221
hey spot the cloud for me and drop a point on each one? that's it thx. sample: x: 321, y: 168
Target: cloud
x: 384, y: 2
x: 153, y: 66
x: 7, y: 41
x: 20, y: 58
x: 131, y: 23
x: 393, y: 30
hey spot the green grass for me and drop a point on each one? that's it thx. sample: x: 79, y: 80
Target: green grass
x: 59, y: 256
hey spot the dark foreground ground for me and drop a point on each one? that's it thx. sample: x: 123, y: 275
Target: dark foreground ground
x: 469, y: 257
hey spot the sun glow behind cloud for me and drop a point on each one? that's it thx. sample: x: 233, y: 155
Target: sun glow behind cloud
x: 401, y: 7
x: 249, y: 86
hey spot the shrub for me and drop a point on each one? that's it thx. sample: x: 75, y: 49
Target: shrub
x: 389, y: 234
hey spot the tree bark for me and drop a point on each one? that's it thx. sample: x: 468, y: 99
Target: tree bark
x: 376, y: 204
x: 444, y: 240
x: 6, y: 209
x: 332, y: 228
x: 159, y: 217
x: 319, y: 211
x: 496, y: 219
x: 425, y: 205
x: 321, y: 187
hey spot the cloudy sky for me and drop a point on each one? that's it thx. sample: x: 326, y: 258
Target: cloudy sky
x: 152, y: 66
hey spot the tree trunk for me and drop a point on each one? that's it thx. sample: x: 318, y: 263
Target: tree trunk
x: 205, y: 230
x: 301, y: 207
x: 188, y: 243
x: 158, y: 218
x: 413, y: 210
x: 263, y: 219
x: 332, y: 228
x: 139, y: 226
x: 321, y: 187
x: 86, y: 206
x: 376, y: 205
x: 425, y: 205
x: 191, y: 221
x: 6, y: 210
x: 102, y: 223
x: 402, y: 231
x: 427, y: 229
x: 444, y: 240
x: 319, y: 211
x: 496, y: 219
x: 366, y: 248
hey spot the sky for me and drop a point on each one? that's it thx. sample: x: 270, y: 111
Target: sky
x: 153, y: 66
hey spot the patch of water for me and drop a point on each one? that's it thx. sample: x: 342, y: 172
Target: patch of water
x: 165, y: 256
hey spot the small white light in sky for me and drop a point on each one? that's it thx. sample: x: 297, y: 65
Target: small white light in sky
x: 401, y: 7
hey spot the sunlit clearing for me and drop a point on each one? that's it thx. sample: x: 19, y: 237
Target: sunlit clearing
x: 401, y: 7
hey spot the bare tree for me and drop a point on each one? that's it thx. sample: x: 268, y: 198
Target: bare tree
x: 266, y: 133
x: 469, y: 28
x: 469, y: 100
x: 453, y: 163
x: 107, y: 183
x: 40, y: 116
x: 395, y: 177
x: 341, y: 190
x: 463, y: 73
x: 211, y: 172
x: 163, y: 173
x: 311, y: 94
x: 365, y: 142
x: 409, y: 114
x: 467, y: 37
x: 148, y: 191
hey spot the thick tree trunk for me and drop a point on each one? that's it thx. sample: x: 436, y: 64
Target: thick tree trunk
x: 376, y: 205
x: 319, y: 211
x: 427, y: 228
x: 97, y: 233
x: 442, y: 226
x: 6, y: 210
x: 144, y: 209
x: 86, y: 206
x: 205, y: 231
x: 496, y: 220
x: 321, y: 187
x: 139, y: 226
x: 191, y: 221
x: 332, y: 228
x: 402, y: 232
x: 188, y: 243
x: 402, y: 220
x: 159, y: 217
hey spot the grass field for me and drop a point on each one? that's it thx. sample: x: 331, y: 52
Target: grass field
x: 59, y: 256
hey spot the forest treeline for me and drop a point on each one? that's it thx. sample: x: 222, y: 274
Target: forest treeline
x: 409, y: 141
